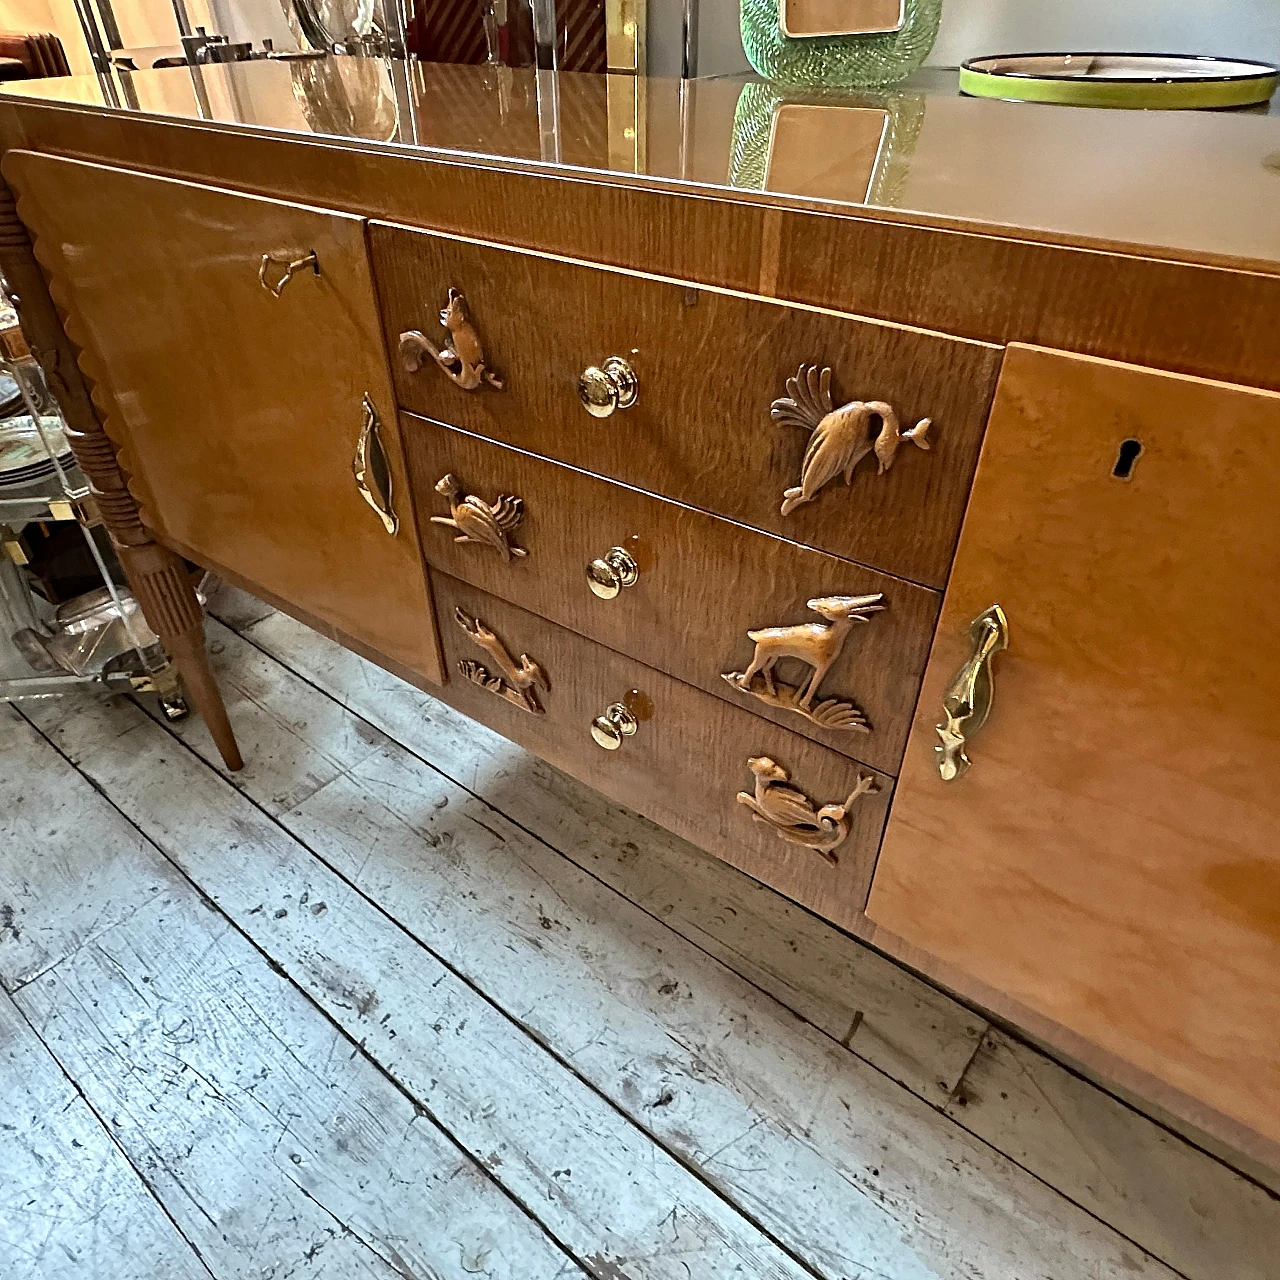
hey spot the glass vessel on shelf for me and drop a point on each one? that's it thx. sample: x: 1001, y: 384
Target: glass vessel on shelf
x: 838, y: 43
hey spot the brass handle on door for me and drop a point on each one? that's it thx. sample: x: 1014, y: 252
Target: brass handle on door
x: 369, y: 467
x: 275, y: 290
x: 967, y: 701
x: 611, y: 572
x: 604, y: 388
x: 617, y: 722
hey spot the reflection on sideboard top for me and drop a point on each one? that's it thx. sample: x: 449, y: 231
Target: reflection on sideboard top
x: 1186, y: 184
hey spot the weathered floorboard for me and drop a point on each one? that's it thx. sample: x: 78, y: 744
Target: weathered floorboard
x: 903, y: 1026
x: 1152, y: 1186
x: 842, y: 1165
x: 71, y: 1207
x: 63, y: 881
x: 605, y: 1190
x: 272, y: 1142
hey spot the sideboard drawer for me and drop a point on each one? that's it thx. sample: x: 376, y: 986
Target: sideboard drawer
x: 686, y: 760
x: 701, y: 584
x: 708, y: 367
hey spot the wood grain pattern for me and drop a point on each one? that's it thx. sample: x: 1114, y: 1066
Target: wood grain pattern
x: 842, y: 1167
x: 244, y: 459
x: 1137, y: 1175
x: 687, y: 760
x: 605, y: 1190
x: 237, y: 1099
x: 70, y: 1204
x: 703, y: 584
x: 251, y: 1117
x: 1207, y: 316
x: 710, y: 365
x: 1109, y: 859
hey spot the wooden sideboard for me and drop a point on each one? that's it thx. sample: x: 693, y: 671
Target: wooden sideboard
x: 907, y: 543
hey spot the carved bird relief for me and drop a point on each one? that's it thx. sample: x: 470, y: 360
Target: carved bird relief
x: 478, y: 521
x: 816, y: 644
x: 778, y: 803
x: 462, y: 359
x: 841, y: 437
x: 516, y: 681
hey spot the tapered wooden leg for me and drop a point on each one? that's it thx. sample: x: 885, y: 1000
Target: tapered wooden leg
x: 157, y: 576
x: 163, y: 589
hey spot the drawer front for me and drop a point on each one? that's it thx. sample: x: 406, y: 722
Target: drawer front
x: 686, y: 761
x: 708, y: 365
x: 701, y: 585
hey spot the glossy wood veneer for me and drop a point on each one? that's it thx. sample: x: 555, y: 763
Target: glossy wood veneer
x: 703, y: 583
x: 709, y: 366
x: 1202, y: 314
x: 687, y: 760
x: 1111, y: 859
x: 237, y: 413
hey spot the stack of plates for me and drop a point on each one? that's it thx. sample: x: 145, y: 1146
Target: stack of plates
x: 23, y: 458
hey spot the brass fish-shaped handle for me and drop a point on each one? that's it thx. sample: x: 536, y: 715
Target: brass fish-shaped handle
x: 967, y: 701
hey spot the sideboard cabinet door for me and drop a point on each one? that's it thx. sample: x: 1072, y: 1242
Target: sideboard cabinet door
x: 1111, y: 856
x: 240, y: 398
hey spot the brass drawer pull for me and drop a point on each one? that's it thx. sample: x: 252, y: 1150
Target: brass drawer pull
x: 617, y: 722
x: 967, y: 702
x: 369, y: 467
x: 604, y: 388
x: 275, y: 290
x: 611, y: 572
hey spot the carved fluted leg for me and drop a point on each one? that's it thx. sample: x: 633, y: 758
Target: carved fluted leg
x: 157, y: 577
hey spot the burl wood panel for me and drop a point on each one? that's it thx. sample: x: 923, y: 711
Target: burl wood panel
x: 709, y: 365
x: 686, y: 762
x: 703, y: 583
x: 237, y: 413
x: 1111, y: 859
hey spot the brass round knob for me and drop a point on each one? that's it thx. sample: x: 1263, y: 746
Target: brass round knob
x: 616, y: 723
x: 604, y: 388
x: 611, y: 572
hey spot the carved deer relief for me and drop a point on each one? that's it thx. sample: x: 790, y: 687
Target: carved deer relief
x: 779, y: 804
x: 462, y: 359
x: 842, y: 436
x: 817, y: 645
x: 516, y: 679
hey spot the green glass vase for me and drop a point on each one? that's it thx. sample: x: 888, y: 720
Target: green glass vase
x: 864, y: 61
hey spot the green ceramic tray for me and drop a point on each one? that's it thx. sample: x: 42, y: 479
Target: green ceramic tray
x: 1142, y: 80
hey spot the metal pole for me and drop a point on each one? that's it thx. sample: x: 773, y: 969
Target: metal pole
x: 93, y: 38
x: 689, y: 41
x: 544, y: 35
x: 180, y: 16
x: 394, y: 26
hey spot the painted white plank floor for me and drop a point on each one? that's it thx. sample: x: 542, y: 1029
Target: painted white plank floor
x: 638, y: 1062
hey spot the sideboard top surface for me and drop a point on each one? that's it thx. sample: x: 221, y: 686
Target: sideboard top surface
x: 1191, y: 186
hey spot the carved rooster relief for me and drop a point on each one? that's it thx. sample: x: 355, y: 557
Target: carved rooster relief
x: 781, y: 805
x: 816, y: 644
x: 478, y: 521
x: 841, y: 437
